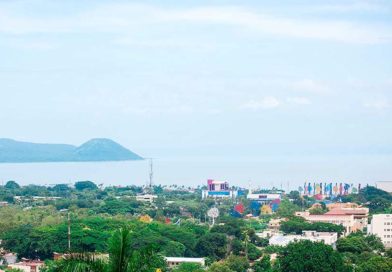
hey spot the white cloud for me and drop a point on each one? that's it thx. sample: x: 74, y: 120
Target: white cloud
x: 311, y: 86
x: 128, y: 18
x: 268, y: 102
x: 299, y: 100
x: 378, y: 104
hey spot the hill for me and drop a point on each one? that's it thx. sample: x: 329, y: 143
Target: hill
x: 12, y: 151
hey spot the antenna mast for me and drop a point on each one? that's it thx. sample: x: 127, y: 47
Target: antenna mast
x: 151, y: 182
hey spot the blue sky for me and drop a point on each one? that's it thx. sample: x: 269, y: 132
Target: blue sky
x: 242, y: 79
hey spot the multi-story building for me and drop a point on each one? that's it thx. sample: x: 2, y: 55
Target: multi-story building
x: 347, y: 221
x: 381, y: 226
x: 360, y: 214
x: 218, y: 189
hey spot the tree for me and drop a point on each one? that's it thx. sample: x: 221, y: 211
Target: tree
x: 219, y: 267
x: 212, y: 245
x: 264, y: 265
x: 237, y: 263
x: 376, y: 263
x: 82, y: 185
x: 379, y: 204
x: 122, y: 258
x: 310, y: 257
x: 188, y: 267
x: 353, y: 244
x: 11, y: 185
x: 287, y: 208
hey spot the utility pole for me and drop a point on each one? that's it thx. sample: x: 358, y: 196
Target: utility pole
x: 69, y: 232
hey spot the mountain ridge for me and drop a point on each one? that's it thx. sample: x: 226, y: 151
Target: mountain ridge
x: 97, y: 149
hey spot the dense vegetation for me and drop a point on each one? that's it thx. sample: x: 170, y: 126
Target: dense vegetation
x: 35, y: 225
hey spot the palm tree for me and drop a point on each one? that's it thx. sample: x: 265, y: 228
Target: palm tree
x: 122, y: 258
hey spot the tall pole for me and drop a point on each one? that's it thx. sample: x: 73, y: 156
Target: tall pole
x: 151, y: 174
x: 69, y: 232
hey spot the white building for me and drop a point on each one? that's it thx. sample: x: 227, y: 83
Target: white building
x: 381, y: 226
x: 218, y: 189
x: 175, y: 261
x: 328, y: 238
x: 146, y: 198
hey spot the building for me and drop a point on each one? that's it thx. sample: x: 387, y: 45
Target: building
x: 360, y: 214
x: 381, y: 226
x: 10, y: 258
x: 384, y: 185
x: 328, y: 238
x: 27, y: 266
x: 341, y: 205
x: 264, y: 198
x: 274, y: 224
x: 175, y: 261
x: 146, y: 198
x: 3, y: 203
x: 218, y: 189
x: 347, y: 221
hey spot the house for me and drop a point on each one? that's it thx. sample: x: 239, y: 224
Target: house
x: 360, y: 214
x: 381, y: 225
x: 328, y: 238
x: 175, y: 261
x: 27, y: 266
x: 347, y: 221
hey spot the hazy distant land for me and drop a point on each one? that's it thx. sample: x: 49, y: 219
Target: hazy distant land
x: 12, y: 151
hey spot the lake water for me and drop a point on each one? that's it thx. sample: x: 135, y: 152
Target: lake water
x: 264, y: 172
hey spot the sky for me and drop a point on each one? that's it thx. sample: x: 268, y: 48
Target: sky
x: 249, y: 80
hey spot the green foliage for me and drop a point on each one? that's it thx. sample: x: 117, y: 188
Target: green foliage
x: 264, y: 265
x: 253, y: 252
x: 11, y: 185
x: 376, y: 264
x: 311, y: 257
x: 298, y: 224
x: 358, y: 243
x: 287, y: 208
x: 219, y: 267
x: 212, y: 245
x: 237, y: 263
x: 188, y: 267
x: 85, y: 185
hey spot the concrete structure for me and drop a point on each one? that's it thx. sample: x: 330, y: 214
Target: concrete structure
x: 146, y: 198
x: 340, y: 205
x: 263, y: 198
x: 10, y: 258
x: 384, y: 185
x: 328, y: 238
x: 175, y: 261
x: 268, y: 233
x: 360, y: 214
x: 347, y: 221
x: 218, y: 189
x: 381, y: 226
x: 274, y: 224
x: 28, y: 266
